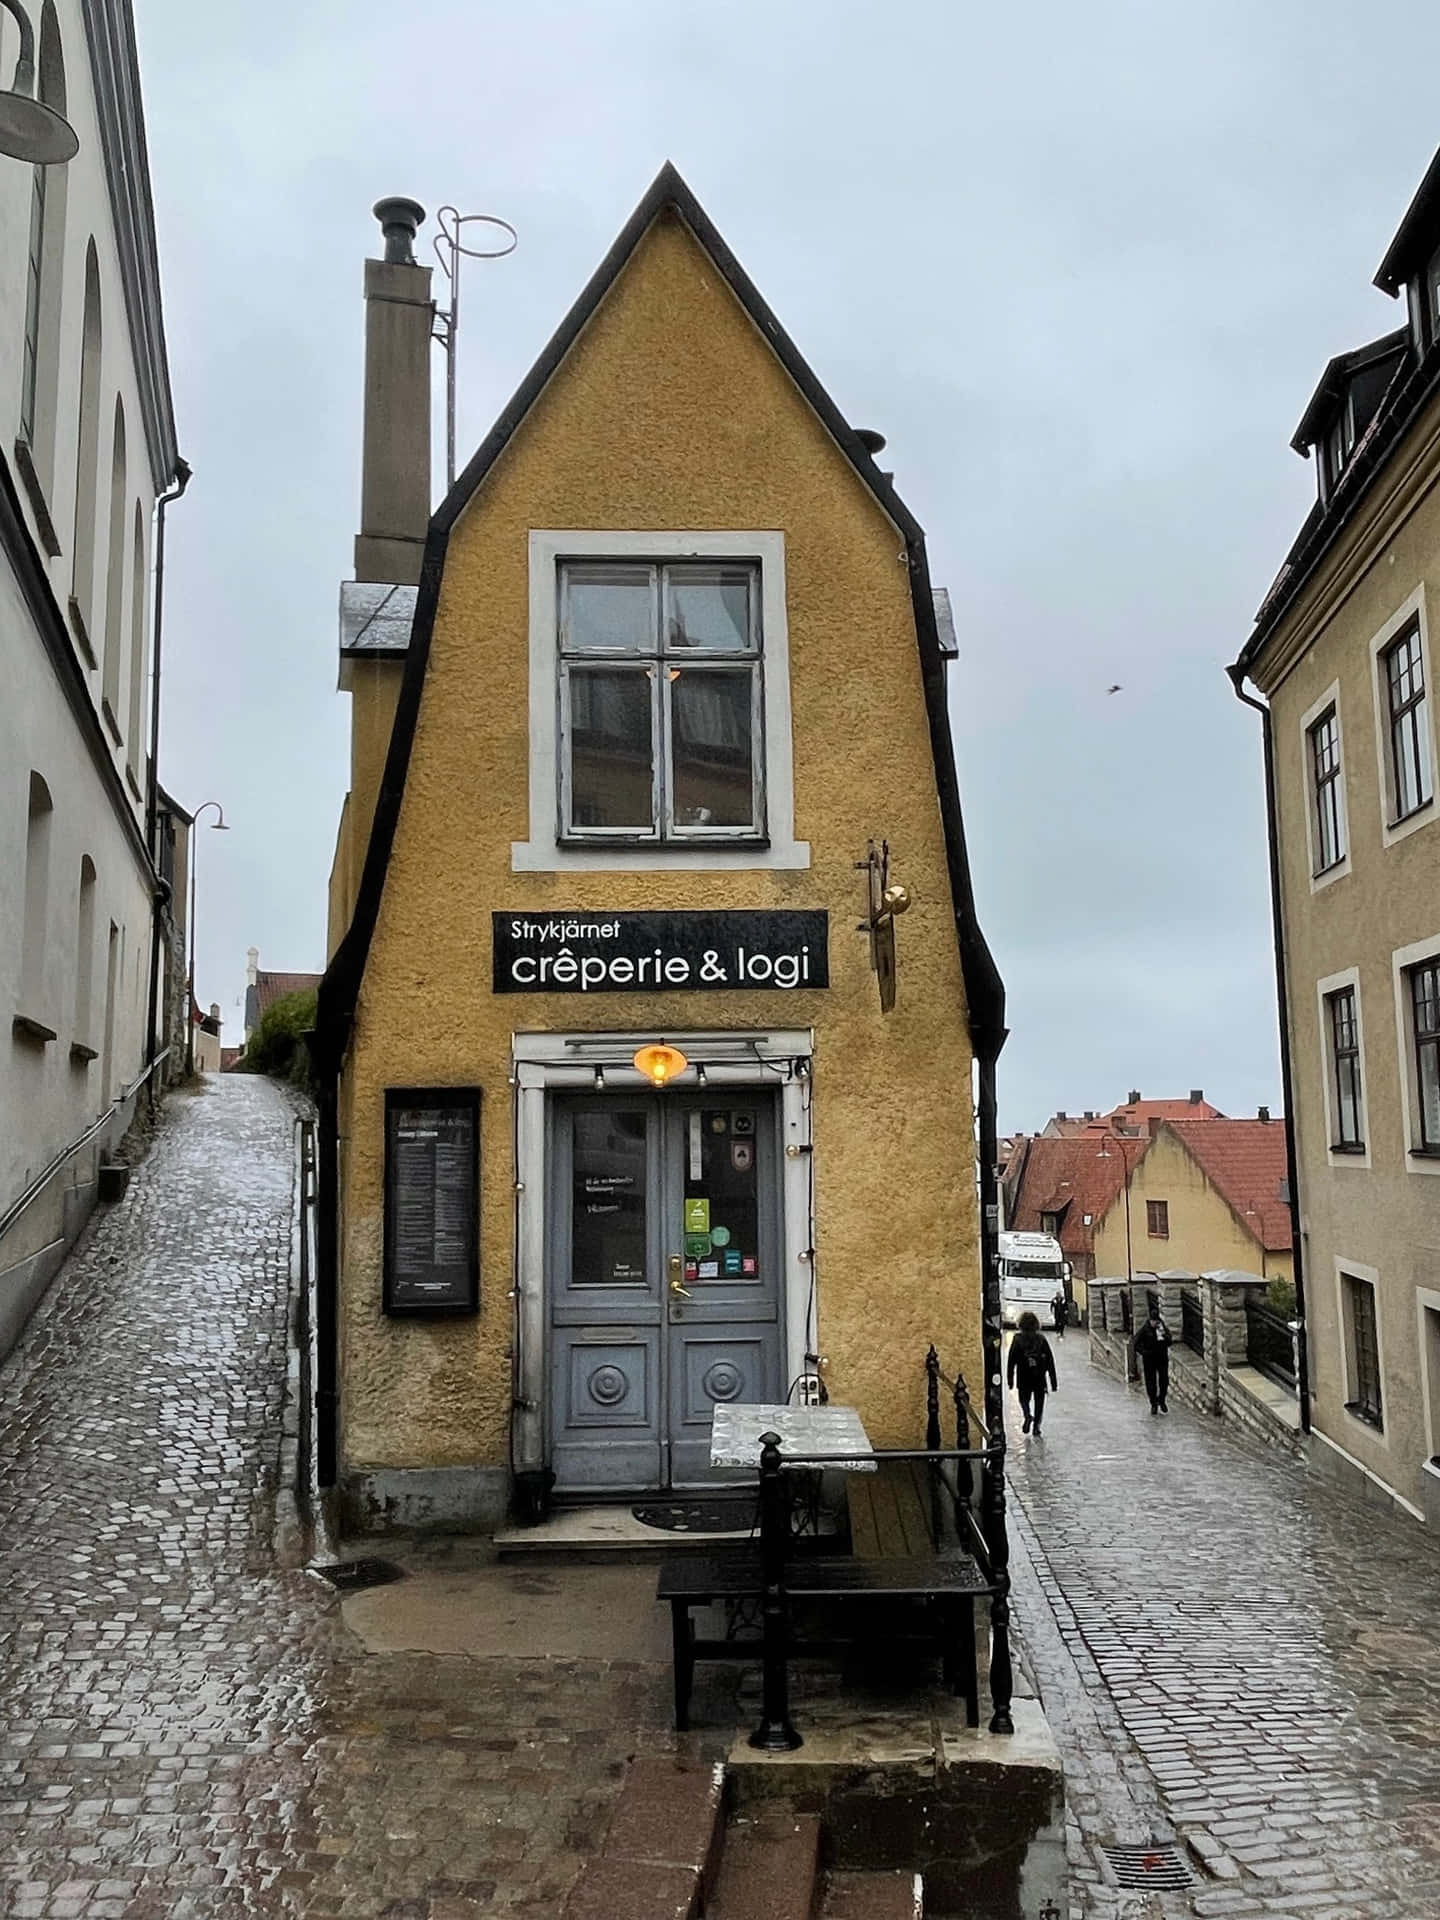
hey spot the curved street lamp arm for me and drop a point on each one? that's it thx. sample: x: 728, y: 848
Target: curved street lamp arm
x: 25, y: 65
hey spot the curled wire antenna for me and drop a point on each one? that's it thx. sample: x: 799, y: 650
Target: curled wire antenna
x: 449, y: 248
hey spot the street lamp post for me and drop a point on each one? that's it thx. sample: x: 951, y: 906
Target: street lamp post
x: 29, y: 129
x: 216, y: 826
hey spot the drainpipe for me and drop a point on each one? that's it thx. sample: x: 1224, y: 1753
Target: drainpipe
x: 152, y: 778
x: 1302, y: 1355
x: 327, y: 1395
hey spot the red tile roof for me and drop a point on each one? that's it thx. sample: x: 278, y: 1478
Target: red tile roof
x: 1073, y: 1178
x: 1138, y: 1114
x: 271, y: 987
x: 1244, y: 1160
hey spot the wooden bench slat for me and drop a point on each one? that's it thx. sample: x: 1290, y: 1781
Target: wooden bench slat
x: 913, y: 1508
x: 864, y: 1537
x: 888, y: 1527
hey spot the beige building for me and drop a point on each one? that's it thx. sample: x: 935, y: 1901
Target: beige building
x: 1341, y: 653
x: 628, y: 769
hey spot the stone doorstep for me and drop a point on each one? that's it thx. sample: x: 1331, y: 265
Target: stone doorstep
x: 873, y: 1896
x: 769, y: 1868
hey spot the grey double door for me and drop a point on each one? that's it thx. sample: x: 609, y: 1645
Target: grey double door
x: 663, y: 1271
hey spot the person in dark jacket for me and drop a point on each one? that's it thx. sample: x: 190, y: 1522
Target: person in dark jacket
x: 1152, y: 1344
x: 1060, y: 1307
x: 1030, y: 1365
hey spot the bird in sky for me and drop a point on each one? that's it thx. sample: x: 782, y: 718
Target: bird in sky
x: 1115, y: 689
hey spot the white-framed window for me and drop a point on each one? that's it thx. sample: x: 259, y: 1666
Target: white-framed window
x: 1323, y: 770
x: 1342, y: 1052
x: 660, y: 731
x: 662, y: 712
x: 1417, y: 1033
x: 1358, y: 1287
x: 1404, y: 720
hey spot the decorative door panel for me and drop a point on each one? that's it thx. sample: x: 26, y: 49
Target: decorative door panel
x: 605, y: 1388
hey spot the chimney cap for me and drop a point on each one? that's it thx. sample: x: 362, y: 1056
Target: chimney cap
x: 1263, y: 1113
x: 400, y: 220
x: 1133, y: 1097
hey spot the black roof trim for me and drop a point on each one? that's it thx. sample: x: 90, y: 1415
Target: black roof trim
x: 668, y: 194
x: 1416, y: 384
x: 1337, y: 376
x: 1416, y: 237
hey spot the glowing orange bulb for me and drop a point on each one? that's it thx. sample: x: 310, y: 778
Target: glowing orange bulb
x: 660, y: 1064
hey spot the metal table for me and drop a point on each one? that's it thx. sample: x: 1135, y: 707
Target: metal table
x: 835, y: 1432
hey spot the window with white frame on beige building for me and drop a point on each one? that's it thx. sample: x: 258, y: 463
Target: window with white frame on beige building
x: 1362, y: 1342
x: 1347, y: 1133
x: 1417, y: 1027
x: 1324, y: 739
x: 1407, y: 725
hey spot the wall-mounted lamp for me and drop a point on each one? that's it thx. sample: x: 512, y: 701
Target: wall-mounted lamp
x: 702, y: 1079
x: 660, y: 1064
x: 599, y: 1079
x: 29, y: 130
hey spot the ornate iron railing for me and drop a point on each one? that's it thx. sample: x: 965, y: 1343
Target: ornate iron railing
x: 1269, y: 1345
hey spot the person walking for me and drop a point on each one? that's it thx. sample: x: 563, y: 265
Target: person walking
x: 1152, y: 1344
x: 1060, y: 1307
x: 1030, y: 1365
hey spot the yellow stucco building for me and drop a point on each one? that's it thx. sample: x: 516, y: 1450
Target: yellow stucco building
x: 1341, y: 653
x: 631, y: 714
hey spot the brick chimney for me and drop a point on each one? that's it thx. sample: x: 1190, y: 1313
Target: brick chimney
x: 1197, y: 1096
x: 1133, y: 1097
x: 395, y: 458
x: 1263, y: 1113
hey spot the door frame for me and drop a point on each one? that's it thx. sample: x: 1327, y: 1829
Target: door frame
x: 770, y: 1058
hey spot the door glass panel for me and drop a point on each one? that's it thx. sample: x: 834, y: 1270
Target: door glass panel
x: 608, y: 1200
x: 722, y: 1213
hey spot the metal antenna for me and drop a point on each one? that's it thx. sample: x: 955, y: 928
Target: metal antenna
x: 448, y: 249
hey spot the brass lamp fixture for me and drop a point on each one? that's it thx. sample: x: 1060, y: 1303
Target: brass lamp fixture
x: 885, y: 899
x: 660, y: 1063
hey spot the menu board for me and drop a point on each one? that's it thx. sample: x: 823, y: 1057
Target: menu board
x: 432, y: 1236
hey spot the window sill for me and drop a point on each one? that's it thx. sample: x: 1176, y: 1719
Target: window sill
x: 645, y: 843
x: 1347, y: 1146
x: 39, y: 506
x: 1406, y: 819
x: 81, y: 1055
x: 133, y: 783
x: 550, y: 856
x: 24, y: 1028
x: 1333, y: 871
x: 1424, y: 1153
x: 112, y: 725
x: 1364, y: 1415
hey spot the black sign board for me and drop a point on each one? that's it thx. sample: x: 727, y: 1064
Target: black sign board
x: 432, y: 1222
x: 659, y: 952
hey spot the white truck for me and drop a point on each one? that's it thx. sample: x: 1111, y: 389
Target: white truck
x: 1032, y: 1271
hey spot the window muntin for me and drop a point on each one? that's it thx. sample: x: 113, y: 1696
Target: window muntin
x: 1365, y: 1350
x: 1345, y: 1070
x: 1157, y: 1219
x: 1425, y: 1038
x: 1408, y: 721
x: 1329, y: 818
x: 661, y: 701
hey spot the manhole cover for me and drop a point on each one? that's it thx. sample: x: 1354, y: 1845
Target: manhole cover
x: 351, y: 1575
x: 1146, y: 1867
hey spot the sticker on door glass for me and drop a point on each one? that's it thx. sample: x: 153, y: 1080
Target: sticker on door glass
x: 719, y: 1122
x: 733, y: 1260
x: 709, y: 1270
x: 692, y: 1270
x: 742, y: 1123
x: 742, y: 1155
x: 697, y: 1245
x: 697, y: 1216
x: 697, y: 1170
x: 719, y: 1236
x: 747, y: 1265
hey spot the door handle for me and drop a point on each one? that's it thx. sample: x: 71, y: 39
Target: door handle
x: 677, y: 1269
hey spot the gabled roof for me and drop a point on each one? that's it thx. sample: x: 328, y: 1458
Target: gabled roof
x: 1140, y: 1113
x: 1337, y: 376
x: 1074, y: 1178
x: 668, y: 196
x: 1245, y: 1161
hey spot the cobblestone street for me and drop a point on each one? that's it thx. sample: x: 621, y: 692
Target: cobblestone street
x: 188, y: 1729
x: 1231, y: 1652
x: 1234, y: 1651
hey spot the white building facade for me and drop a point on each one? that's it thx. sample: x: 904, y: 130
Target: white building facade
x: 87, y: 447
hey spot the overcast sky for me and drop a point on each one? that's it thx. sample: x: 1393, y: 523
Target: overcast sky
x: 1081, y: 265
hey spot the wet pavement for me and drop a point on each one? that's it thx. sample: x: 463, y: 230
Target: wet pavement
x: 186, y: 1727
x: 1233, y: 1653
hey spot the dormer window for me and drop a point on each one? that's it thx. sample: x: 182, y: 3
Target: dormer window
x: 1432, y: 298
x: 1339, y: 443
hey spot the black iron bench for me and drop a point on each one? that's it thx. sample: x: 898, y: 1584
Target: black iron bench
x: 947, y: 1588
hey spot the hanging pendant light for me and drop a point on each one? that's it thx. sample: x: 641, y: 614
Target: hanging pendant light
x: 660, y: 1063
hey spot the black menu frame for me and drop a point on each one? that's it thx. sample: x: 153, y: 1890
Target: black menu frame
x: 411, y: 1288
